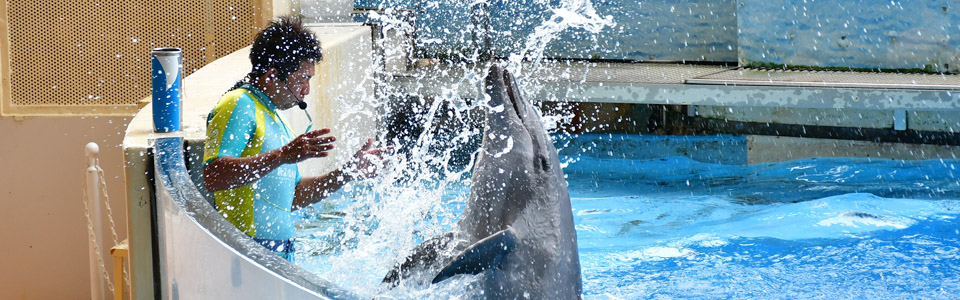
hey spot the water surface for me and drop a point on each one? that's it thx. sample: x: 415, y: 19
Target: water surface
x: 678, y: 228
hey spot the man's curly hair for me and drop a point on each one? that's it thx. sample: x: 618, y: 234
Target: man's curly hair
x: 284, y: 44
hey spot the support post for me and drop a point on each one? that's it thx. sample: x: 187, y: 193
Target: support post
x: 119, y: 253
x: 94, y: 223
x: 900, y: 119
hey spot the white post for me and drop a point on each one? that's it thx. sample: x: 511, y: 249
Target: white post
x: 95, y: 225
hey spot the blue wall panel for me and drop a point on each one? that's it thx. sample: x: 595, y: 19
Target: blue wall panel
x: 863, y: 34
x: 902, y: 34
x: 662, y: 30
x: 681, y: 30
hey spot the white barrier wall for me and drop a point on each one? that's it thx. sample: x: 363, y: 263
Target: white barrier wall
x: 342, y: 95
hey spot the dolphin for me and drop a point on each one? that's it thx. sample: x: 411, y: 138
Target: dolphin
x: 517, y: 229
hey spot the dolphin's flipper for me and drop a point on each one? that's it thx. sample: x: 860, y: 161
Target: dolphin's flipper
x: 423, y: 256
x: 482, y: 255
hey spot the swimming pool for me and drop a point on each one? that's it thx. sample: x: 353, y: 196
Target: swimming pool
x: 673, y: 227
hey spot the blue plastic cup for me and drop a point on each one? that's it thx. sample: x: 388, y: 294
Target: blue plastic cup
x: 166, y: 77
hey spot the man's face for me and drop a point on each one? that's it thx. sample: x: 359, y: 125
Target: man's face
x: 296, y: 86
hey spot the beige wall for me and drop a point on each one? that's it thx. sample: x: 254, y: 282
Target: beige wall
x: 285, y: 7
x: 42, y: 223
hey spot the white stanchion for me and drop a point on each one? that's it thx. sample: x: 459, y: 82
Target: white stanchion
x: 94, y: 222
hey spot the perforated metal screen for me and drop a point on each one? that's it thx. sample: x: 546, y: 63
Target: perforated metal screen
x: 93, y: 57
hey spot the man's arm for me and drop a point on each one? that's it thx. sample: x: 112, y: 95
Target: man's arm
x: 230, y: 172
x: 364, y: 163
x: 311, y: 190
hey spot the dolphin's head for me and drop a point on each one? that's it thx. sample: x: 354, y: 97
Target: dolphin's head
x: 518, y: 187
x: 511, y: 123
x: 509, y: 115
x: 507, y: 109
x: 517, y: 165
x: 513, y: 131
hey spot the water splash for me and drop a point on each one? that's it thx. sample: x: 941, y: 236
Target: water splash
x: 571, y: 14
x: 355, y: 236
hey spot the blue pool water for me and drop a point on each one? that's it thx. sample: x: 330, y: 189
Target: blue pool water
x: 816, y: 228
x: 833, y: 228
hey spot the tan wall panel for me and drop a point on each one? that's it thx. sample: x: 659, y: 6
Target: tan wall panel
x: 93, y: 57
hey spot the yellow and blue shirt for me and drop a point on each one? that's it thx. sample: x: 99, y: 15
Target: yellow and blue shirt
x: 245, y: 122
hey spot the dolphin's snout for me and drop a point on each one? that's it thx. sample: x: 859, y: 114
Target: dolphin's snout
x: 503, y: 91
x: 513, y: 94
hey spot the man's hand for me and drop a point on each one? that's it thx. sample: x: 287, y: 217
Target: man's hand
x: 368, y: 161
x: 364, y: 164
x: 312, y: 144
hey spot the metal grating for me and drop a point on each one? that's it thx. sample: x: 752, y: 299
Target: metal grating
x: 646, y: 73
x: 712, y: 85
x: 93, y: 57
x: 233, y: 19
x: 553, y: 75
x: 831, y: 79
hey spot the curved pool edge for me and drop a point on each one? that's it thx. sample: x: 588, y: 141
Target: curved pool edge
x: 186, y: 223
